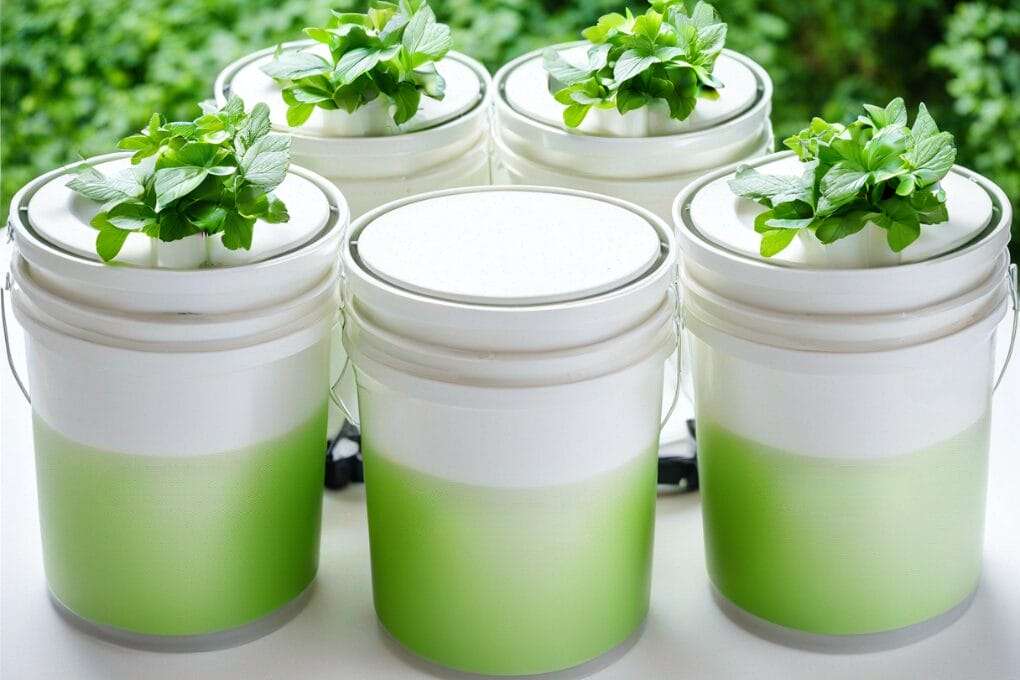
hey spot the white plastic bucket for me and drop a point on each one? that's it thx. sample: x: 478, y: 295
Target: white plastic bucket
x: 180, y: 420
x: 642, y: 157
x: 372, y: 161
x: 509, y: 445
x: 843, y: 420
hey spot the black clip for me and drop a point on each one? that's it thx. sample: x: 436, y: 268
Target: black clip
x: 344, y: 470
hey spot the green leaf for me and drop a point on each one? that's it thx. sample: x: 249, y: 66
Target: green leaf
x: 830, y: 229
x: 574, y: 114
x: 895, y: 113
x: 265, y: 162
x: 173, y: 183
x: 631, y: 64
x: 839, y: 187
x: 173, y: 226
x: 237, y: 232
x: 606, y: 26
x: 562, y: 70
x: 931, y: 158
x: 295, y: 65
x: 900, y: 221
x: 255, y: 126
x: 207, y: 216
x: 774, y: 241
x: 629, y: 100
x: 424, y: 39
x: 276, y: 212
x: 930, y: 208
x: 405, y: 101
x: 109, y: 242
x: 428, y: 80
x: 134, y: 216
x: 771, y: 189
x: 92, y: 184
x: 356, y: 63
x: 298, y: 114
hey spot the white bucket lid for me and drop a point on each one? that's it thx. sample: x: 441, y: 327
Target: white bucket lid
x: 525, y: 87
x: 61, y: 217
x: 509, y: 268
x: 509, y: 247
x: 794, y: 302
x: 465, y: 89
x: 53, y: 235
x: 727, y: 220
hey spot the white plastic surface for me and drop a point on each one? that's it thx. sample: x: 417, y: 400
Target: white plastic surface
x: 62, y: 217
x: 728, y: 220
x: 509, y: 248
x: 685, y: 628
x: 526, y: 89
x: 463, y: 91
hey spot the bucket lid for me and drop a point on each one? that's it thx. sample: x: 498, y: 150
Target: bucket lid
x: 522, y: 268
x: 465, y: 88
x: 61, y: 217
x: 727, y: 220
x: 720, y: 253
x: 525, y: 88
x: 50, y: 225
x: 509, y: 247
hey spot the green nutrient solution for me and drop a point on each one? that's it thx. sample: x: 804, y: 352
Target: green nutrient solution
x: 510, y: 581
x: 836, y: 546
x: 180, y: 545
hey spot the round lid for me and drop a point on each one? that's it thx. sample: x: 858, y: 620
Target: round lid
x: 526, y: 89
x: 61, y: 217
x: 499, y: 247
x: 464, y: 90
x: 727, y: 220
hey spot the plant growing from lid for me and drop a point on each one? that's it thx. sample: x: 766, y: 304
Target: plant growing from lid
x: 213, y: 175
x: 664, y: 54
x: 390, y: 51
x: 876, y: 170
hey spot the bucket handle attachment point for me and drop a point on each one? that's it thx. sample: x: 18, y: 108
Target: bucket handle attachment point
x: 678, y: 325
x: 334, y: 396
x: 1014, y: 295
x: 8, y: 285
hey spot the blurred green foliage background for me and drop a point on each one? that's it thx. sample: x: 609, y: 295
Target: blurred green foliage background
x: 76, y: 75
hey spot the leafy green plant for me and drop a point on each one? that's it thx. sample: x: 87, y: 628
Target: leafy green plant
x: 389, y: 51
x: 664, y: 54
x: 212, y: 175
x: 875, y: 170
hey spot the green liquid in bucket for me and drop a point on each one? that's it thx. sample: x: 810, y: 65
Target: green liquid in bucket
x: 510, y: 581
x: 187, y: 545
x: 838, y: 546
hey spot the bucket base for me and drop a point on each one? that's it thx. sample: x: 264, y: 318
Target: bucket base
x: 839, y: 644
x: 187, y: 643
x: 583, y: 670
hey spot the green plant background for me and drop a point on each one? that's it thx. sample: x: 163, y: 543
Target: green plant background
x: 78, y: 75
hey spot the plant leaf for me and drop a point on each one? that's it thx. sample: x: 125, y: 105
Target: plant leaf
x: 294, y: 65
x: 173, y: 183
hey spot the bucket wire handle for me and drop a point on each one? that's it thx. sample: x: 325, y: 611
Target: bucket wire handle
x: 8, y: 285
x: 1011, y: 277
x: 337, y: 400
x: 678, y: 325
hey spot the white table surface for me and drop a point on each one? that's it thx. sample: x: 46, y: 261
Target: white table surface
x: 336, y: 636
